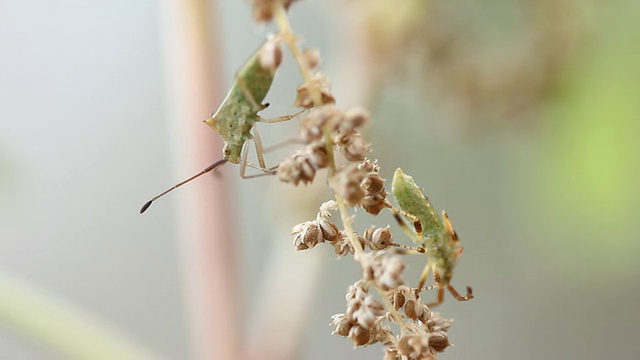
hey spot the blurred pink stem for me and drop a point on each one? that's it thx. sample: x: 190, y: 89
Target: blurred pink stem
x: 208, y: 248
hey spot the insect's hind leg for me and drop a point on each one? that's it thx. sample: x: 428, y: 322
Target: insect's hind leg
x: 458, y: 297
x: 244, y: 163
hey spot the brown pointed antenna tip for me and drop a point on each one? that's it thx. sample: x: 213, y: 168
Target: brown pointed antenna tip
x: 211, y: 167
x: 146, y: 206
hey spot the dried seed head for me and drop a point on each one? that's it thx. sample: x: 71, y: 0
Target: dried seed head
x: 438, y: 323
x: 352, y: 145
x: 416, y: 347
x: 359, y: 335
x: 346, y: 184
x: 342, y: 324
x: 325, y: 118
x: 271, y: 54
x: 426, y: 314
x: 374, y: 203
x: 378, y: 238
x: 343, y: 248
x: 329, y: 230
x: 317, y: 155
x: 413, y: 309
x: 367, y: 312
x: 296, y: 169
x: 439, y: 341
x: 373, y: 183
x: 356, y: 117
x: 306, y: 235
x: 305, y: 97
x: 311, y: 57
x: 388, y: 273
x: 263, y: 9
x: 398, y: 300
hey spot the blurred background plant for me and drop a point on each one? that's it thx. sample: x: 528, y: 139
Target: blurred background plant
x: 520, y: 118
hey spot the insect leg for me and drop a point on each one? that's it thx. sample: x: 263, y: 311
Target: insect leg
x: 458, y: 297
x: 436, y: 277
x: 257, y: 141
x: 425, y: 275
x: 417, y: 237
x: 281, y: 118
x: 244, y: 163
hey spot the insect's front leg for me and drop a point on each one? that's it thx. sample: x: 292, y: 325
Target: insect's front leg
x: 281, y: 118
x: 425, y: 275
x: 257, y: 141
x: 417, y: 236
x: 244, y: 163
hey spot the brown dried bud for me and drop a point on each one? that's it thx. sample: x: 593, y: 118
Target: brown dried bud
x: 356, y: 117
x: 346, y: 184
x: 378, y: 238
x: 306, y: 235
x: 413, y: 309
x: 263, y: 9
x: 311, y: 57
x: 295, y: 169
x: 426, y: 314
x: 359, y: 335
x: 388, y: 273
x: 367, y: 313
x: 439, y: 341
x: 330, y: 231
x: 318, y: 155
x: 374, y: 203
x: 271, y: 54
x: 438, y: 323
x: 415, y: 347
x: 343, y: 248
x: 352, y: 145
x: 326, y: 117
x: 398, y: 300
x: 342, y: 324
x: 373, y: 183
x: 305, y: 97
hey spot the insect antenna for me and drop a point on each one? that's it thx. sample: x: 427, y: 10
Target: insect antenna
x: 211, y: 167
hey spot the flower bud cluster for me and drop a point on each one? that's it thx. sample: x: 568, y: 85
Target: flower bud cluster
x: 319, y: 82
x: 340, y: 127
x: 362, y: 321
x: 384, y: 271
x: 375, y: 195
x: 428, y: 334
x: 303, y: 165
x: 310, y: 233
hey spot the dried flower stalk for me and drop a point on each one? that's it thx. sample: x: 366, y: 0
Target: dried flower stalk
x: 332, y: 141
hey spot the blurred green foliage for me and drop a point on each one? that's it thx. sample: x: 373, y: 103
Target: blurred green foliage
x: 590, y: 163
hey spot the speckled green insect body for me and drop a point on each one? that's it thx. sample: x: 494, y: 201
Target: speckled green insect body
x: 434, y: 233
x: 238, y: 113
